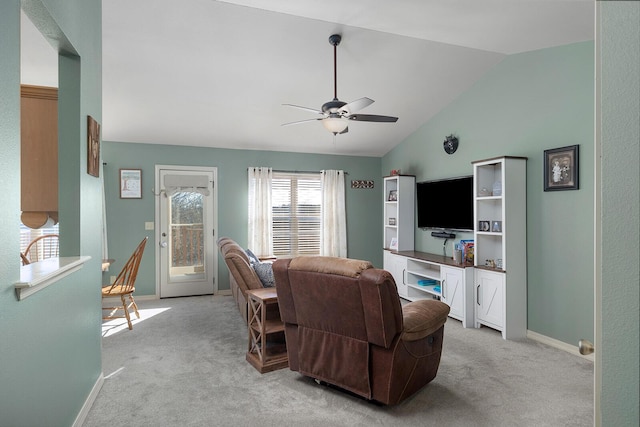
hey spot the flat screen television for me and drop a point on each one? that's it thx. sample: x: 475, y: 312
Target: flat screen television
x: 446, y: 204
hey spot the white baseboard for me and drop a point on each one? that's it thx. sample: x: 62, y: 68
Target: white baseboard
x: 88, y: 403
x: 561, y: 345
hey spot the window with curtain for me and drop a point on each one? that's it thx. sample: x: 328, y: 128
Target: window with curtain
x: 296, y: 214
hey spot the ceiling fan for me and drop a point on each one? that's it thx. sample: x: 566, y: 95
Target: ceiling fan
x: 335, y: 113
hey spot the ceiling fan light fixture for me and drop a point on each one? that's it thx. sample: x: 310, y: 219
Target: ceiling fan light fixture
x: 337, y: 113
x: 335, y: 125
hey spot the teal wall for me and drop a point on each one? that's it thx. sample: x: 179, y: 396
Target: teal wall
x: 619, y: 115
x: 526, y: 104
x: 50, y: 342
x: 126, y: 217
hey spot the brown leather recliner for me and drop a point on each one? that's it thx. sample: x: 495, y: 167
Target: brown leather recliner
x: 241, y: 275
x: 344, y: 325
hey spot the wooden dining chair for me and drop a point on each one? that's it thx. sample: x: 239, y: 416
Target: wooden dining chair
x: 124, y: 286
x: 42, y: 247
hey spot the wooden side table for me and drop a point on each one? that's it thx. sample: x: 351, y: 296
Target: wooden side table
x: 267, y: 347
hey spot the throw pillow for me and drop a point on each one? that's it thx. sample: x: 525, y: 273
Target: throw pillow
x: 252, y: 258
x: 264, y: 271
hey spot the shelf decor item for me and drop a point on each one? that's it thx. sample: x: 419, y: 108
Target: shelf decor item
x: 561, y: 168
x: 393, y: 195
x: 392, y: 221
x: 394, y: 244
x: 484, y: 226
x: 496, y: 226
x: 497, y: 188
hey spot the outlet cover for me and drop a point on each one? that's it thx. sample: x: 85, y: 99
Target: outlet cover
x: 148, y: 225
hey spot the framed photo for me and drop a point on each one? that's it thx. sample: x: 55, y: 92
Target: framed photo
x: 394, y: 244
x: 561, y: 168
x: 484, y: 226
x: 496, y: 226
x: 393, y: 195
x: 392, y: 221
x: 93, y: 147
x: 130, y: 183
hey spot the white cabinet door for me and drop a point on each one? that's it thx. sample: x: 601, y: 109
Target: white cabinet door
x: 396, y: 265
x: 452, y: 285
x: 489, y: 299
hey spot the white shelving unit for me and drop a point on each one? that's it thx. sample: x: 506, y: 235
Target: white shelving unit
x: 500, y: 251
x: 399, y: 211
x: 448, y: 282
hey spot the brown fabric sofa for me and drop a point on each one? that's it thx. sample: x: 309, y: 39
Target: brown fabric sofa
x: 345, y: 325
x: 241, y: 275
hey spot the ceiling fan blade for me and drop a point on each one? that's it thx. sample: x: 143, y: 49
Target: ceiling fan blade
x: 356, y: 105
x: 372, y: 118
x: 313, y: 110
x: 299, y: 121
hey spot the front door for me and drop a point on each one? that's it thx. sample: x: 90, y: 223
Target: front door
x: 185, y: 213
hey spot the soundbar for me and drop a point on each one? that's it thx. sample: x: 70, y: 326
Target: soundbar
x: 443, y: 234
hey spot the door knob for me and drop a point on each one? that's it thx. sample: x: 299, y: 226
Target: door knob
x: 585, y: 347
x: 163, y: 244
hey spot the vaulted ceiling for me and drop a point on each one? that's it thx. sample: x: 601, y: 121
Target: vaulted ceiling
x: 216, y: 73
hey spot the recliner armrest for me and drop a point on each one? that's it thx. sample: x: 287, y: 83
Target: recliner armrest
x: 422, y: 318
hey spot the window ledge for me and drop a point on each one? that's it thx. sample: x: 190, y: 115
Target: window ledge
x: 37, y: 276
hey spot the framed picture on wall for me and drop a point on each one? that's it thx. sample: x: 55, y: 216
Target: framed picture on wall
x: 130, y: 183
x: 561, y: 168
x: 93, y: 147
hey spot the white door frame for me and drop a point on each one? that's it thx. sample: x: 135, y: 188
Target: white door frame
x: 157, y: 231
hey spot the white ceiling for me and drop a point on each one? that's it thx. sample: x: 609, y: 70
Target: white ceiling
x: 216, y: 73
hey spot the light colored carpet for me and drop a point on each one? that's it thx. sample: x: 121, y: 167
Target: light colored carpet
x: 184, y: 364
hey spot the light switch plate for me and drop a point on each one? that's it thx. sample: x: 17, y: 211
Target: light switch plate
x: 148, y: 225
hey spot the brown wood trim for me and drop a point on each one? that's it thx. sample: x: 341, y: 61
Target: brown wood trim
x: 39, y: 92
x: 439, y: 259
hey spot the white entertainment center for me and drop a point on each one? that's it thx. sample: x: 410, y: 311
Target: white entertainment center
x: 491, y: 291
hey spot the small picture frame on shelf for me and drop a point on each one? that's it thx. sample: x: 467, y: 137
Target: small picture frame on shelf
x: 392, y: 221
x: 393, y: 196
x: 496, y: 226
x: 394, y: 244
x: 484, y: 226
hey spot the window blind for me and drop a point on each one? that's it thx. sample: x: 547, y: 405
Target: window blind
x: 296, y: 208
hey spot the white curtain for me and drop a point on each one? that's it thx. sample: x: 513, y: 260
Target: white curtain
x: 334, y: 217
x: 260, y: 216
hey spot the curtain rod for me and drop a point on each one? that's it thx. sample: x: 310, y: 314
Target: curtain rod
x: 284, y: 171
